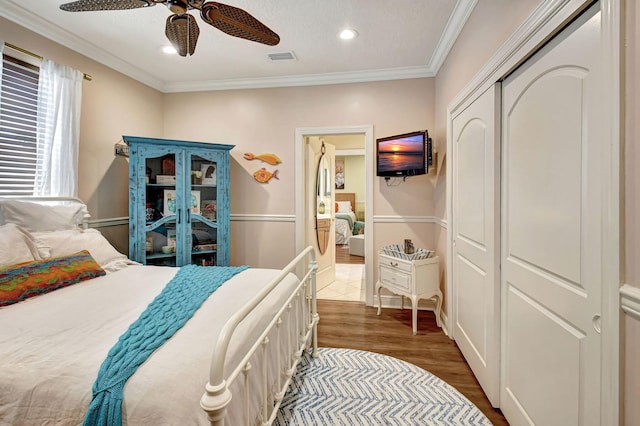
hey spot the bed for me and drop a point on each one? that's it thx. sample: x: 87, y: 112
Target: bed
x: 231, y: 363
x: 346, y: 222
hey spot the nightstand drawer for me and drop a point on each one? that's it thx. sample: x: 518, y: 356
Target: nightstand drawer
x: 395, y: 278
x: 395, y: 263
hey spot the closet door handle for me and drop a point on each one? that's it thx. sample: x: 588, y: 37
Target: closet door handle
x: 179, y: 215
x: 188, y: 215
x: 596, y: 323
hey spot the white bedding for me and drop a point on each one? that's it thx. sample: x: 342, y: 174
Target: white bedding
x: 51, y: 348
x: 343, y: 231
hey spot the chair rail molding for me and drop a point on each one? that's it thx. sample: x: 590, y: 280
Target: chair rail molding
x: 263, y: 217
x: 410, y: 219
x: 630, y: 301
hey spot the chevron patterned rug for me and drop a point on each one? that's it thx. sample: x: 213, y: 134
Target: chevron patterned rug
x: 351, y: 387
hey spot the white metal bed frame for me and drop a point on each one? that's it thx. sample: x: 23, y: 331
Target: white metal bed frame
x: 302, y: 304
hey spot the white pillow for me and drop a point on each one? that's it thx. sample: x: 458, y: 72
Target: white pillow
x: 17, y: 246
x: 62, y: 243
x: 344, y: 206
x: 36, y: 217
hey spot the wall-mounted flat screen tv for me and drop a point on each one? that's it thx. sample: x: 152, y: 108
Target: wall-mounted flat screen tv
x: 402, y: 155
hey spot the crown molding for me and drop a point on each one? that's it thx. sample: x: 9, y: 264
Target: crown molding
x: 463, y: 8
x: 461, y: 12
x: 301, y: 80
x: 18, y: 15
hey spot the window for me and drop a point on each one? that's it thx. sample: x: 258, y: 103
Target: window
x: 18, y: 114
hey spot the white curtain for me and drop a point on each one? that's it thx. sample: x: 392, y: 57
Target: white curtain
x: 59, y: 100
x: 1, y: 63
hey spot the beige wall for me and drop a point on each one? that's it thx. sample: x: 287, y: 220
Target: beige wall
x: 631, y: 271
x: 631, y: 149
x: 485, y: 31
x: 257, y: 121
x: 264, y: 120
x: 488, y: 27
x: 106, y: 115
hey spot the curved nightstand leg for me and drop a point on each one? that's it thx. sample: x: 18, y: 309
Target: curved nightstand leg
x: 414, y: 314
x: 378, y: 287
x: 438, y: 308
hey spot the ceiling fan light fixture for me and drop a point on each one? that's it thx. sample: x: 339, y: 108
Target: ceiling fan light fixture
x: 347, y: 34
x: 182, y: 31
x: 179, y: 7
x: 169, y: 50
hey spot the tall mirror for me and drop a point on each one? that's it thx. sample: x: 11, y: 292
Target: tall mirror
x: 323, y: 201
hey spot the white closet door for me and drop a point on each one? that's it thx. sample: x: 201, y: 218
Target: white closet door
x: 551, y: 230
x: 476, y: 200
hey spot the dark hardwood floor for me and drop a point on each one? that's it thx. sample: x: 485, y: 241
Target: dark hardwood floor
x: 356, y: 326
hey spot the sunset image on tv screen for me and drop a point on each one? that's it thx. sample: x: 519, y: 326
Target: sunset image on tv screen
x: 400, y: 154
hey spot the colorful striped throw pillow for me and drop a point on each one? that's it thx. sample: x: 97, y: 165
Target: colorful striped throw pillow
x: 24, y: 280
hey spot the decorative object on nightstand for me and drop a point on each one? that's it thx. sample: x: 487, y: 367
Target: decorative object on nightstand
x: 414, y: 275
x: 186, y: 185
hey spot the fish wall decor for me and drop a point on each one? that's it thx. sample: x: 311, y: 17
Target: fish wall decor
x: 264, y: 176
x: 270, y: 159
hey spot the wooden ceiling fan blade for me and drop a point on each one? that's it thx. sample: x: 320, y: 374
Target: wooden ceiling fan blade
x: 182, y: 31
x: 238, y: 23
x: 91, y: 5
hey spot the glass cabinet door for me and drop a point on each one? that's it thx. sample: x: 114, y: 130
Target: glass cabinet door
x: 178, y: 202
x: 202, y: 217
x: 162, y: 215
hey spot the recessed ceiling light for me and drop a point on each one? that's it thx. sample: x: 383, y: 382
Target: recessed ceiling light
x: 169, y: 50
x: 348, y: 34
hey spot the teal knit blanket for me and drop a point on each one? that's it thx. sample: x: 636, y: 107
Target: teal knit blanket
x: 165, y: 315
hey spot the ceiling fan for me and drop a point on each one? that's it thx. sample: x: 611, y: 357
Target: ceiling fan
x: 181, y: 28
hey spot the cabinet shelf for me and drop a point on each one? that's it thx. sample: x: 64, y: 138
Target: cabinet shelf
x: 160, y: 255
x: 197, y: 252
x: 202, y: 186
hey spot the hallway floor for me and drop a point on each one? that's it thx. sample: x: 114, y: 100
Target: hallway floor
x: 348, y: 286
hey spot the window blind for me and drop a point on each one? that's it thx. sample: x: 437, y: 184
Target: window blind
x: 18, y: 118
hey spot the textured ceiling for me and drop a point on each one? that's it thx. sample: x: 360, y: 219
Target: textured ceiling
x: 397, y: 39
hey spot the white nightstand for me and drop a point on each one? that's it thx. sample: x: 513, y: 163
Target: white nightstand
x: 416, y: 279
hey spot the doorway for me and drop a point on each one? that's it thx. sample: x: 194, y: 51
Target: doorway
x: 364, y: 208
x: 350, y: 207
